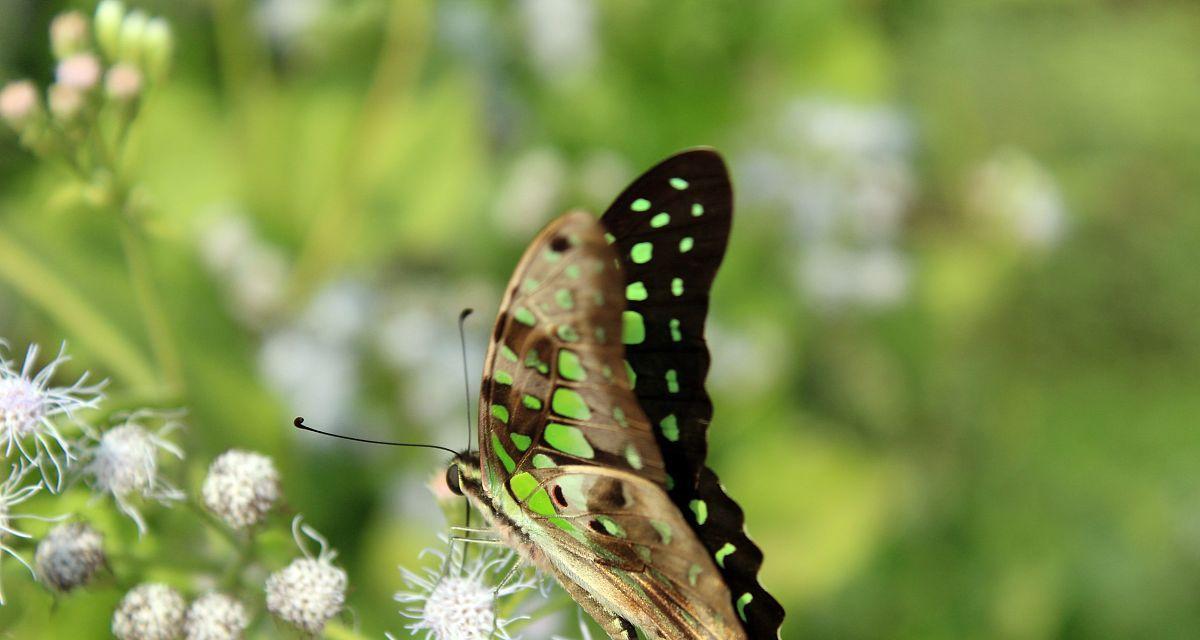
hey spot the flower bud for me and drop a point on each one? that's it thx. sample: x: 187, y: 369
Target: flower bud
x: 133, y: 32
x: 241, y: 488
x: 80, y: 71
x: 149, y: 612
x: 215, y: 616
x: 157, y: 47
x: 109, y: 15
x: 123, y: 82
x: 19, y: 104
x: 66, y: 102
x: 69, y: 556
x: 68, y: 34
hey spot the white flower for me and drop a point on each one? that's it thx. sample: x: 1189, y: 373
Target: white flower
x: 19, y: 103
x: 309, y: 591
x: 124, y: 463
x: 1012, y: 191
x: 215, y: 616
x: 30, y: 407
x: 461, y: 605
x: 69, y: 556
x: 149, y: 612
x: 241, y: 487
x: 531, y: 192
x: 68, y: 33
x: 123, y: 82
x: 13, y: 492
x: 561, y: 35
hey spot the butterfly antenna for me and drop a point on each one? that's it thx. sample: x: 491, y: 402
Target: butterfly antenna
x: 462, y: 341
x: 299, y: 422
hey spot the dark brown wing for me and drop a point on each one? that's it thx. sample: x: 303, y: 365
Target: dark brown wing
x: 670, y: 229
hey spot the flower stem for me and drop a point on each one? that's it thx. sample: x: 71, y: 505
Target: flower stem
x: 150, y: 305
x: 41, y: 286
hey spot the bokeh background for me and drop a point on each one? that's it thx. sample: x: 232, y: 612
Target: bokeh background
x: 956, y: 337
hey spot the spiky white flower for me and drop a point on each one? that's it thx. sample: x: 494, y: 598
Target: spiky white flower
x: 30, y: 409
x: 215, y: 616
x: 124, y: 462
x: 150, y: 611
x: 69, y: 556
x: 13, y: 492
x: 241, y: 487
x: 461, y: 605
x: 310, y: 590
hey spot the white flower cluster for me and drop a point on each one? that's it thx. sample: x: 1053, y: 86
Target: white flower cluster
x: 462, y: 605
x: 69, y: 556
x: 155, y: 611
x: 241, y: 488
x: 311, y: 590
x: 215, y: 616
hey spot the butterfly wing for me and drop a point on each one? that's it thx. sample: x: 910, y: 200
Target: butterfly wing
x: 670, y: 229
x: 567, y: 454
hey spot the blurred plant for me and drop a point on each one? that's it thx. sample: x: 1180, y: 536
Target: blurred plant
x: 95, y: 99
x: 1017, y: 200
x: 844, y: 174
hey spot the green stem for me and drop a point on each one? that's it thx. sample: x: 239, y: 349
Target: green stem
x: 39, y: 285
x: 150, y: 304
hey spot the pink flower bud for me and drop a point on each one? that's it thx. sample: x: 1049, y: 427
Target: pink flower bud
x: 19, y: 103
x: 80, y: 71
x: 123, y: 82
x: 68, y: 34
x: 65, y: 101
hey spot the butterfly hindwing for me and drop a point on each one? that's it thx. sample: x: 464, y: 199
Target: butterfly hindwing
x: 670, y: 229
x: 563, y: 438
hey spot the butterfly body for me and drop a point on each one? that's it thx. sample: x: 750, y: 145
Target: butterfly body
x: 592, y: 471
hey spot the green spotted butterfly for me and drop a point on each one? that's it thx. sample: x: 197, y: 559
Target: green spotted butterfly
x: 593, y: 416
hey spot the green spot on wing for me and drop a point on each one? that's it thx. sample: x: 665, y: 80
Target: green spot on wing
x: 663, y: 529
x: 677, y: 286
x: 632, y: 456
x: 531, y: 402
x: 529, y: 284
x: 502, y: 453
x: 525, y: 487
x: 742, y: 601
x: 521, y: 441
x: 686, y: 244
x: 633, y: 327
x: 631, y: 374
x: 693, y: 573
x: 503, y: 377
x: 723, y: 552
x: 570, y: 367
x: 700, y: 508
x: 641, y: 204
x: 611, y: 526
x: 636, y: 291
x: 670, y: 427
x: 618, y: 414
x: 524, y: 316
x: 572, y: 271
x: 567, y: 333
x: 697, y: 210
x: 672, y: 381
x: 564, y: 299
x: 543, y: 461
x: 676, y: 335
x: 508, y: 354
x: 500, y: 412
x: 679, y: 183
x: 660, y: 220
x: 568, y: 439
x: 563, y: 524
x: 610, y: 238
x: 641, y: 252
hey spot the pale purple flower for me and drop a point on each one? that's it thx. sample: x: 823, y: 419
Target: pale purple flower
x: 124, y: 462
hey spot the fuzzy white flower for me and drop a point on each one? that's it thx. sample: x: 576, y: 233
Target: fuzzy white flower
x: 149, y: 612
x: 124, y: 462
x: 215, y: 616
x: 30, y: 409
x: 310, y: 590
x: 80, y: 71
x: 69, y: 556
x: 13, y: 492
x: 461, y: 605
x: 241, y: 487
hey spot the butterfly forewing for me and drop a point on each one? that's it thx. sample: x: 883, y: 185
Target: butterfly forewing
x: 562, y: 436
x: 670, y: 229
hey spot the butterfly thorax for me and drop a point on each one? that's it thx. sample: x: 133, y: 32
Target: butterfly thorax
x: 471, y: 485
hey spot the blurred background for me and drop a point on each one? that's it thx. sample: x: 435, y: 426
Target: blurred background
x: 956, y: 337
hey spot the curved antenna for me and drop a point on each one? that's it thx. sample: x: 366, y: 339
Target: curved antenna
x: 299, y: 422
x: 462, y: 341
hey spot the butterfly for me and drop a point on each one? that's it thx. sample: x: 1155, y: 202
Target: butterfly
x: 593, y: 415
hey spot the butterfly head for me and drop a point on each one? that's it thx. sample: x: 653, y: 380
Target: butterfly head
x: 464, y: 476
